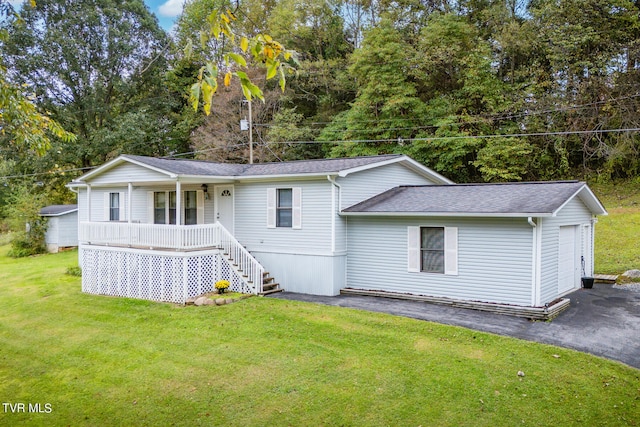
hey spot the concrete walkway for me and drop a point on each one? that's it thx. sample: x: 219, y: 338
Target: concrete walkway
x: 604, y: 320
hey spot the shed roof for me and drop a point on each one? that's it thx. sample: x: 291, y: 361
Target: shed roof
x: 174, y: 168
x: 506, y: 199
x: 58, y: 210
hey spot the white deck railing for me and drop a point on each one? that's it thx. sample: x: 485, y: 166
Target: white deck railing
x: 175, y: 237
x: 156, y: 236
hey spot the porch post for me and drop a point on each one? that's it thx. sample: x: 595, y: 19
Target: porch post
x: 178, y: 203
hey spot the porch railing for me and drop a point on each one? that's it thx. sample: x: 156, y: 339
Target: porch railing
x: 156, y: 236
x: 238, y: 256
x: 176, y: 237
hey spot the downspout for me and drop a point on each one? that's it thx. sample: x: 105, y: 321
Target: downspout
x: 535, y: 262
x: 334, y: 184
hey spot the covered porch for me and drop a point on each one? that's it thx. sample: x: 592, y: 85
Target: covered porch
x: 164, y: 262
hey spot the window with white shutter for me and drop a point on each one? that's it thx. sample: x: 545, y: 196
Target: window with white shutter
x: 284, y: 208
x: 271, y: 208
x: 432, y: 250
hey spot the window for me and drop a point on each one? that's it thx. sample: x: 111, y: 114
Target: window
x: 284, y: 208
x: 114, y: 206
x: 191, y: 207
x: 172, y: 207
x: 432, y: 249
x: 159, y: 207
x: 164, y: 207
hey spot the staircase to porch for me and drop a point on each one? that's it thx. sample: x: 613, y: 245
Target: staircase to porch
x: 237, y: 256
x: 269, y: 285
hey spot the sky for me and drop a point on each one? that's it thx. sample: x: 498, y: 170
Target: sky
x: 167, y: 11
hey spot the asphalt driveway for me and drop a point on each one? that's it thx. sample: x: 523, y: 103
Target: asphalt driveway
x: 604, y: 320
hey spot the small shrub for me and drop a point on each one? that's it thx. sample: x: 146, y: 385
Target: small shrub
x: 222, y: 285
x: 74, y: 271
x: 27, y: 226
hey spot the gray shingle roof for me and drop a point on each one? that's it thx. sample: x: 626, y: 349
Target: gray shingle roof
x: 321, y: 166
x: 510, y: 199
x: 189, y: 167
x: 55, y: 210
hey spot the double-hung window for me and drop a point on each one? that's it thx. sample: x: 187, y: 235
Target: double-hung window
x: 164, y: 207
x: 160, y: 207
x: 190, y: 207
x: 432, y: 249
x: 284, y: 208
x: 114, y: 206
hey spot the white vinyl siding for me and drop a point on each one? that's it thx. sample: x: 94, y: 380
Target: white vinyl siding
x: 62, y: 231
x: 255, y: 225
x: 128, y: 172
x: 573, y: 213
x: 493, y: 258
x: 362, y: 185
x: 308, y: 274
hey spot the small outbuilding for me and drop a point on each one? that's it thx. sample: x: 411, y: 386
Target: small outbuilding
x: 62, y: 231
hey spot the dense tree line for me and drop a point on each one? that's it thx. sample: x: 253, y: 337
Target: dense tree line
x: 479, y: 90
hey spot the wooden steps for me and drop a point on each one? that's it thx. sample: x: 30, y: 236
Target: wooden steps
x: 269, y: 286
x: 605, y: 278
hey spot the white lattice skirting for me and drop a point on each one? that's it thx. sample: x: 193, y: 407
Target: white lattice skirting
x: 155, y: 275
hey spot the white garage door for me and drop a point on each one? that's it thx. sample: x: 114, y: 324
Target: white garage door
x: 568, y: 263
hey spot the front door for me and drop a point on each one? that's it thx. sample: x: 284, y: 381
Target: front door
x: 568, y: 264
x: 224, y: 206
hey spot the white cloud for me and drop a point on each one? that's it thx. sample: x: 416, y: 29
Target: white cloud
x: 171, y: 8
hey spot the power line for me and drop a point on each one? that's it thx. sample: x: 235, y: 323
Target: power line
x: 31, y: 175
x: 432, y: 138
x: 362, y: 141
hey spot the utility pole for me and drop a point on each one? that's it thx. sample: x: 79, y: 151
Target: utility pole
x: 250, y: 136
x: 248, y: 125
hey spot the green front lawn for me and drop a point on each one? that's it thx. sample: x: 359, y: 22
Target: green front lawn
x: 266, y: 362
x: 616, y: 246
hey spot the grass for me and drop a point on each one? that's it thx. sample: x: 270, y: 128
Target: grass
x: 616, y: 246
x: 114, y: 361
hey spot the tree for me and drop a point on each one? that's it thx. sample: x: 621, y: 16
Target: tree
x: 22, y: 125
x: 89, y: 63
x: 260, y: 49
x: 386, y: 106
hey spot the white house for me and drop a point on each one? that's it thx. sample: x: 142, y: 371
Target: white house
x: 168, y: 229
x: 62, y: 227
